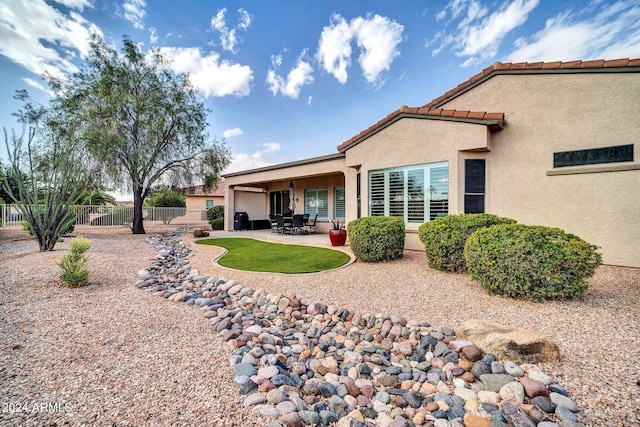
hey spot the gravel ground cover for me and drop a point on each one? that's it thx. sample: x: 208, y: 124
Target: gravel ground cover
x: 111, y: 354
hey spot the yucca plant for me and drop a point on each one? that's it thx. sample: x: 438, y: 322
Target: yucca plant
x: 73, y: 265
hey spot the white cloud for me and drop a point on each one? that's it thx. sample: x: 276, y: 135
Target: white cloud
x: 134, y: 12
x: 75, y: 4
x: 309, y: 100
x: 228, y: 37
x: 41, y: 38
x: 231, y: 133
x: 377, y: 37
x: 612, y: 32
x: 271, y: 147
x: 479, y: 34
x: 299, y: 76
x: 334, y: 48
x: 153, y: 37
x: 245, y: 161
x: 212, y: 76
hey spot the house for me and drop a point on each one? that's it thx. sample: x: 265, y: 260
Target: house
x: 198, y: 199
x: 554, y: 143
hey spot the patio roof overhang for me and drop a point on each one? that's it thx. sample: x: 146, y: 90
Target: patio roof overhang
x: 263, y: 176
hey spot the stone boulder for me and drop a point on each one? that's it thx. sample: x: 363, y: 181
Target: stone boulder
x: 507, y: 343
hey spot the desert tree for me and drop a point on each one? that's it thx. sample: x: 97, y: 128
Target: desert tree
x: 47, y: 170
x: 140, y: 121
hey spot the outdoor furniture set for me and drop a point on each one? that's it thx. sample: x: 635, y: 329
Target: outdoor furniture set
x: 295, y: 224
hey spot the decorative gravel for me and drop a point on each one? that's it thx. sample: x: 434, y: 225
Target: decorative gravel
x: 111, y: 354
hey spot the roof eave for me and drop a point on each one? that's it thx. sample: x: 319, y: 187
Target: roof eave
x: 303, y: 162
x: 494, y: 125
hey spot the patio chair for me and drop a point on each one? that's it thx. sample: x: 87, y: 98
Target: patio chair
x: 280, y: 227
x: 274, y: 224
x: 310, y: 226
x: 297, y: 225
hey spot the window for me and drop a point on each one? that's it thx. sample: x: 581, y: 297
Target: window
x: 338, y: 203
x: 474, y: 185
x: 402, y: 192
x: 316, y: 201
x: 615, y: 154
x: 358, y: 196
x: 209, y: 204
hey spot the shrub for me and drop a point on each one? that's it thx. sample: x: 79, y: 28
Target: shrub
x: 444, y: 238
x: 217, y: 224
x: 531, y: 262
x: 215, y: 212
x: 73, y: 264
x: 376, y: 238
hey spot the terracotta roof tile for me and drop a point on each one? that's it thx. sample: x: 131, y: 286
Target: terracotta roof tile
x: 551, y: 65
x: 634, y: 62
x: 478, y: 115
x: 518, y: 66
x: 494, y: 116
x: 447, y: 113
x: 597, y: 63
x: 571, y: 64
x: 617, y: 63
x: 460, y: 114
x: 534, y: 65
x: 198, y: 190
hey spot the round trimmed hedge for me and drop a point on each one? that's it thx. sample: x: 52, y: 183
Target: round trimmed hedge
x: 531, y: 262
x: 376, y: 238
x: 444, y: 238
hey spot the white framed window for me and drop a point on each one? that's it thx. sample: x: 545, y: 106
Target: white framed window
x: 209, y: 204
x: 339, y: 208
x: 316, y: 201
x: 403, y: 192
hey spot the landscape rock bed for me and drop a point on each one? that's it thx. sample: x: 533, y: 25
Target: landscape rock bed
x: 301, y: 362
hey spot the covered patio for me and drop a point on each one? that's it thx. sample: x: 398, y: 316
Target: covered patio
x: 313, y: 186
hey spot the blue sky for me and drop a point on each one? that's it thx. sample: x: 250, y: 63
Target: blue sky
x: 287, y: 80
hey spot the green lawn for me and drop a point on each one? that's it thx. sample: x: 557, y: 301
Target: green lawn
x: 255, y: 255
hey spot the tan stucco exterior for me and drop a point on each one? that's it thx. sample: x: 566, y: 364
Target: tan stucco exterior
x: 561, y: 112
x: 546, y: 112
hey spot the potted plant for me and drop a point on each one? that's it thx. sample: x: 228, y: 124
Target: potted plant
x: 337, y: 233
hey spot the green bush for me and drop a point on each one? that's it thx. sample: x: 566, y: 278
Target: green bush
x: 531, y: 262
x: 376, y: 238
x: 73, y: 264
x: 217, y: 224
x: 215, y: 212
x: 444, y: 238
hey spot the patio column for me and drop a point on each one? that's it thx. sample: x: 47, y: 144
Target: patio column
x: 229, y: 207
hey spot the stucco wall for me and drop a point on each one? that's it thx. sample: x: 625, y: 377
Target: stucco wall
x: 406, y: 142
x: 552, y: 113
x: 200, y: 202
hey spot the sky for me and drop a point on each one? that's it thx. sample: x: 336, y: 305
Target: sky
x: 285, y: 80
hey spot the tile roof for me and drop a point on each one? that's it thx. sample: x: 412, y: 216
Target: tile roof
x: 533, y: 68
x: 198, y: 190
x: 495, y: 121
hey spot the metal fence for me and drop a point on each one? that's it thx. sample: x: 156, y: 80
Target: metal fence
x: 118, y: 216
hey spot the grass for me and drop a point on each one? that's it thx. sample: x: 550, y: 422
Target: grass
x: 255, y: 255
